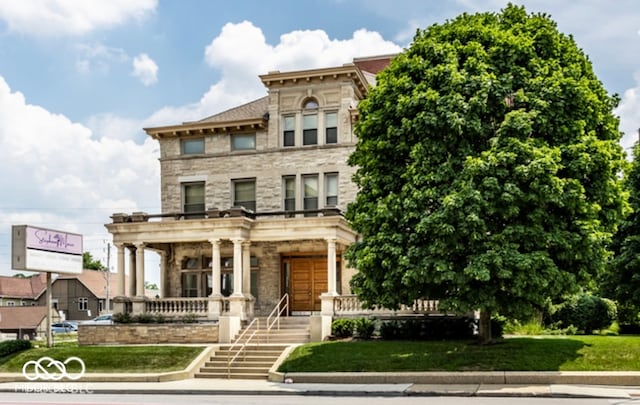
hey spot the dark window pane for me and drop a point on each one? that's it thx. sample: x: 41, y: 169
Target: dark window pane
x: 289, y: 138
x: 310, y: 137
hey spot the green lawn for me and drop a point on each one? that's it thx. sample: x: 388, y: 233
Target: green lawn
x: 570, y: 353
x: 110, y: 359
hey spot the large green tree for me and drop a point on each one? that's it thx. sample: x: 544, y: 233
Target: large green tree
x: 622, y: 280
x: 487, y: 163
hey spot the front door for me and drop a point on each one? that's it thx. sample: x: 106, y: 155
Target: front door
x: 306, y: 281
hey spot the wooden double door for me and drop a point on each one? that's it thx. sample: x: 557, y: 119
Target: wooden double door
x: 305, y: 279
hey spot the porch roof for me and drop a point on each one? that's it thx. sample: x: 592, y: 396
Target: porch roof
x: 255, y: 230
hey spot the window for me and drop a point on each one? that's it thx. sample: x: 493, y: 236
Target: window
x: 310, y: 193
x: 289, y: 186
x: 331, y: 189
x: 310, y: 129
x: 192, y: 146
x: 243, y: 141
x: 244, y: 194
x: 289, y: 133
x: 310, y: 104
x: 193, y: 197
x: 83, y: 304
x: 190, y: 284
x: 11, y: 304
x: 331, y: 128
x: 191, y: 263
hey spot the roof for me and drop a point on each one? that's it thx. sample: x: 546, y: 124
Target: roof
x: 25, y: 288
x: 27, y: 317
x: 253, y: 109
x: 254, y: 114
x: 95, y: 281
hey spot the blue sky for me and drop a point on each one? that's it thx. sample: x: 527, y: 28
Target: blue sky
x: 80, y: 79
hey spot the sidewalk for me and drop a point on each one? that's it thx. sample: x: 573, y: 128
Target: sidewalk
x: 327, y: 388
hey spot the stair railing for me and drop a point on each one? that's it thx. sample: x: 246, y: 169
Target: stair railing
x: 243, y: 345
x: 276, y: 313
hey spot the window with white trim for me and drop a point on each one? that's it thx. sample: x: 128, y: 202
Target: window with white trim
x: 244, y: 194
x: 310, y: 129
x: 83, y: 304
x: 289, y: 132
x: 310, y: 189
x: 331, y: 127
x: 193, y: 199
x: 331, y: 189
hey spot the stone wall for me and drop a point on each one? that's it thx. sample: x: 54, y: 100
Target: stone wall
x: 129, y: 334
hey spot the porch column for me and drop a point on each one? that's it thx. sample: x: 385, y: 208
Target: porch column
x: 246, y: 268
x: 163, y: 274
x: 120, y: 264
x: 132, y: 271
x: 237, y: 267
x: 215, y: 268
x: 331, y: 266
x: 140, y: 270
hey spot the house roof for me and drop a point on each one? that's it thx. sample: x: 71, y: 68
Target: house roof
x: 27, y: 317
x: 95, y: 281
x: 253, y: 109
x: 253, y: 115
x: 23, y: 288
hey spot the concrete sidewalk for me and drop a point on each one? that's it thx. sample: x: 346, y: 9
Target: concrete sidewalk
x: 334, y: 388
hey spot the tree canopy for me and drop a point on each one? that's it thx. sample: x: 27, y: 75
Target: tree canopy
x: 88, y: 262
x: 487, y: 164
x: 622, y: 280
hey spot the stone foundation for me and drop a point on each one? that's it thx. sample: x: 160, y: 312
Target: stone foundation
x: 129, y: 334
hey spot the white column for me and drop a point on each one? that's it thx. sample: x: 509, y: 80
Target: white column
x: 132, y: 271
x: 163, y: 274
x: 331, y: 266
x: 246, y: 268
x: 139, y: 269
x: 121, y: 276
x: 215, y: 268
x: 237, y: 267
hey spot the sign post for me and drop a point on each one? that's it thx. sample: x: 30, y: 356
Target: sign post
x: 46, y: 250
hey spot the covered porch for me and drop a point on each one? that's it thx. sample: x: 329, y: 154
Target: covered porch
x: 227, y: 267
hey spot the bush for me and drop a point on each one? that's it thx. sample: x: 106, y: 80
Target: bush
x: 144, y: 318
x: 586, y: 312
x: 190, y: 318
x: 342, y: 328
x: 122, y: 317
x: 364, y: 328
x: 13, y: 346
x: 428, y: 328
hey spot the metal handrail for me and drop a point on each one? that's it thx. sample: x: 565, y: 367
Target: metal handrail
x: 243, y: 346
x: 277, y: 312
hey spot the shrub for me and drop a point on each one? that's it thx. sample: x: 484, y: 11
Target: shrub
x: 428, y: 328
x: 586, y: 312
x: 13, y: 346
x: 342, y: 328
x: 144, y: 318
x: 364, y: 328
x: 122, y: 317
x: 190, y: 318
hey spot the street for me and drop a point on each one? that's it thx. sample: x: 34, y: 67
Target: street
x: 148, y: 399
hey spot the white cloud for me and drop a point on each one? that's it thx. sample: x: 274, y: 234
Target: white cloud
x: 58, y: 174
x: 629, y: 113
x: 98, y: 58
x: 145, y: 69
x: 71, y: 17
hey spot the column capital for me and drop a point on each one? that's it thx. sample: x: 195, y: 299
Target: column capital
x: 140, y: 245
x: 238, y: 240
x: 331, y: 239
x: 214, y: 241
x: 119, y: 245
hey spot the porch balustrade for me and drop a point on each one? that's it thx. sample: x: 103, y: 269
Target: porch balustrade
x: 351, y: 305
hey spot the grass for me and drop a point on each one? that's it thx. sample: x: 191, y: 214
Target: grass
x: 110, y: 359
x: 572, y: 353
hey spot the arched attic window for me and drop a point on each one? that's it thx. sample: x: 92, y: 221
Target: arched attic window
x: 310, y: 122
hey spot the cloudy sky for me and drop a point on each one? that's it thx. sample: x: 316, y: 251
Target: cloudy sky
x: 80, y: 79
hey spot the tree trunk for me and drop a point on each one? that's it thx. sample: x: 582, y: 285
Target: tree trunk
x: 484, y: 327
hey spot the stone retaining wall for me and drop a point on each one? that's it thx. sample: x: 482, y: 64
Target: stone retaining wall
x: 128, y: 334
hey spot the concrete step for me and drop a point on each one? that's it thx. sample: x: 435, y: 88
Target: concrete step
x: 225, y: 375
